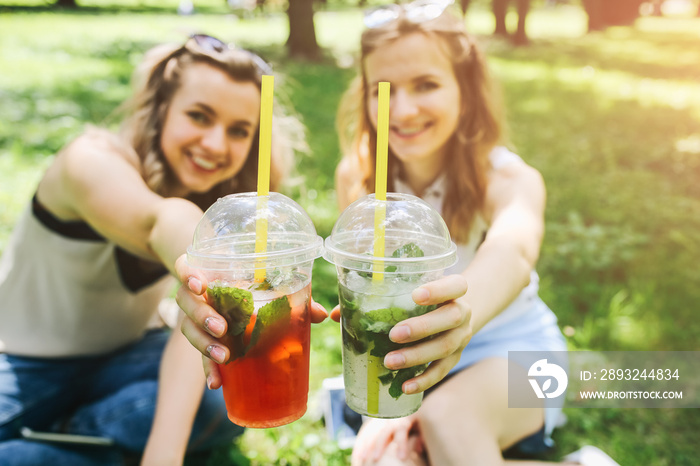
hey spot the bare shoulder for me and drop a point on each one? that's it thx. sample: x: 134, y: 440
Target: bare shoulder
x: 102, y: 144
x: 83, y: 163
x: 514, y: 182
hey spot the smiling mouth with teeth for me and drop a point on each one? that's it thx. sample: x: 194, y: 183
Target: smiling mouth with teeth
x: 407, y: 132
x: 204, y: 163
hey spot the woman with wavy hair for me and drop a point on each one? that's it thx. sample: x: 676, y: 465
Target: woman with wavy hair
x: 82, y: 350
x: 447, y: 146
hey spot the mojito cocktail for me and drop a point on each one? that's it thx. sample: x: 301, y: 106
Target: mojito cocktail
x: 266, y: 380
x: 375, y: 291
x: 366, y: 319
x: 263, y: 293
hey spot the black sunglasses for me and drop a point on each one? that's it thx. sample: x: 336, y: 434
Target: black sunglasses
x: 209, y: 44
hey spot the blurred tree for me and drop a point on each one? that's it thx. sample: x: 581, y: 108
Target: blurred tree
x: 604, y: 13
x: 500, y: 10
x: 656, y: 7
x: 302, y: 33
x: 66, y: 4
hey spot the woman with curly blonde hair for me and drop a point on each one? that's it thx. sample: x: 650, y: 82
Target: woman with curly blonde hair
x: 82, y: 350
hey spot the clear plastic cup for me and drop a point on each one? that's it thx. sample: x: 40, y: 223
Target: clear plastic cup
x: 418, y: 249
x: 266, y: 380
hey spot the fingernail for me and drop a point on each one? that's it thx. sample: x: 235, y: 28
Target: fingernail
x: 400, y: 333
x: 420, y: 295
x: 216, y: 353
x: 194, y: 285
x: 410, y: 387
x: 214, y: 325
x: 209, y: 382
x: 394, y: 360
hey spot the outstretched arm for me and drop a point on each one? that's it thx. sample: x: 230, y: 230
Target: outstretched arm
x: 499, y: 271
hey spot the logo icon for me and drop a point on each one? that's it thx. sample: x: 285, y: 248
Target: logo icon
x: 542, y: 369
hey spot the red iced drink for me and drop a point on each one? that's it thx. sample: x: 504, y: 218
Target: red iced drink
x: 264, y: 294
x: 266, y: 382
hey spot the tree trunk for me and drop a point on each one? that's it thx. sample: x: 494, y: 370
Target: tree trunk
x: 520, y: 37
x: 500, y: 8
x: 594, y: 9
x: 500, y: 11
x: 623, y: 13
x: 302, y: 34
x: 66, y: 4
x: 603, y: 13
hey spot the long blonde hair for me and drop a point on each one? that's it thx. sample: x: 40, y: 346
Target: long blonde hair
x: 479, y: 128
x: 155, y: 82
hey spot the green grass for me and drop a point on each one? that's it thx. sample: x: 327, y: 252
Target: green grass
x: 611, y: 120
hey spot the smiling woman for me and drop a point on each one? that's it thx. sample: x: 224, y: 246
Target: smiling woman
x: 82, y: 350
x: 446, y: 145
x: 206, y: 141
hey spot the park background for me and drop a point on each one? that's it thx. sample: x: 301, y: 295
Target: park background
x: 610, y: 117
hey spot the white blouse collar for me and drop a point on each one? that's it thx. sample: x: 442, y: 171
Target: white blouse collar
x: 433, y: 195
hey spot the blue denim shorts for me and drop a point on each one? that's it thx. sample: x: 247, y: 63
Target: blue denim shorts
x: 112, y: 395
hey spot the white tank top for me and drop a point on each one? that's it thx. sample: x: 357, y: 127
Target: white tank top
x: 435, y: 194
x: 66, y: 291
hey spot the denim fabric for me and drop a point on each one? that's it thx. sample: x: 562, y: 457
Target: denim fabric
x: 108, y: 396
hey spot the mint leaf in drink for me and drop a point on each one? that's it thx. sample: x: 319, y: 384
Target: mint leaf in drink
x: 236, y: 306
x: 382, y: 344
x: 389, y: 316
x: 408, y: 250
x: 377, y: 323
x: 387, y: 378
x: 351, y: 323
x: 403, y: 375
x: 375, y: 326
x: 264, y: 286
x: 270, y: 314
x: 347, y: 299
x: 350, y: 340
x: 380, y: 315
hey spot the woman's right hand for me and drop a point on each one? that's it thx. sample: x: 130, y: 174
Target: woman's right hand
x: 201, y: 325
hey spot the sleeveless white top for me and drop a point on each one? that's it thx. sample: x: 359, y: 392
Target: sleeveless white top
x: 435, y: 194
x: 66, y: 291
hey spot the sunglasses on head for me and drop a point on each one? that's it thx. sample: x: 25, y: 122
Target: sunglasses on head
x: 418, y: 11
x: 211, y: 45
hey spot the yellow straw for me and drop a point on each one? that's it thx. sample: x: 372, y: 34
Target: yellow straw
x: 380, y: 179
x: 374, y: 364
x: 268, y: 84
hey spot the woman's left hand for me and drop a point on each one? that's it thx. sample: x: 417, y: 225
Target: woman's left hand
x: 449, y: 326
